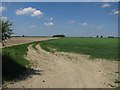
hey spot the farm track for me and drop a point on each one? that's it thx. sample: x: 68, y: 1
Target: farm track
x: 67, y: 70
x: 22, y: 40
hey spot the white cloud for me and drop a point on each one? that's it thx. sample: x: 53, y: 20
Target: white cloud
x: 97, y: 27
x: 83, y: 24
x: 106, y: 5
x: 51, y: 18
x: 116, y: 12
x: 2, y: 8
x: 3, y: 18
x: 71, y: 22
x: 32, y: 26
x: 29, y: 11
x: 49, y: 24
x: 36, y: 13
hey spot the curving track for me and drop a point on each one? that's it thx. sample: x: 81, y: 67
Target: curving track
x: 67, y: 70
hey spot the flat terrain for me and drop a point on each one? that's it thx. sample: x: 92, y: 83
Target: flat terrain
x: 22, y: 40
x: 65, y: 70
x: 103, y: 48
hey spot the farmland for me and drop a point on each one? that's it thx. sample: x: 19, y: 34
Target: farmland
x: 54, y: 63
x: 104, y: 48
x: 60, y: 44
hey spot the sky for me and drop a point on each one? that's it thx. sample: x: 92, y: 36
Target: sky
x: 60, y: 0
x: 73, y: 19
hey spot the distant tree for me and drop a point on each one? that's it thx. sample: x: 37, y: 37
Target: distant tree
x: 97, y: 36
x: 23, y: 36
x: 6, y: 30
x: 58, y: 35
x: 101, y: 36
x: 110, y: 36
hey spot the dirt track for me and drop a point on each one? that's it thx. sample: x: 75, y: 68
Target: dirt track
x: 67, y: 70
x: 21, y: 40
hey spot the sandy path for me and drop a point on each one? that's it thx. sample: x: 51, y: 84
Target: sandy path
x: 67, y: 70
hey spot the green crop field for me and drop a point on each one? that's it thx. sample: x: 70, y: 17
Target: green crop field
x: 104, y: 48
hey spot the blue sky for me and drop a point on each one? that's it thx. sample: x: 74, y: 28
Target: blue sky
x: 68, y: 18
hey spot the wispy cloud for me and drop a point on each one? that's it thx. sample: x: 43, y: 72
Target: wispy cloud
x: 106, y: 5
x: 97, y: 27
x: 83, y: 24
x: 49, y: 24
x: 71, y: 22
x: 114, y: 10
x: 33, y: 26
x: 29, y: 11
x: 110, y: 13
x: 51, y: 18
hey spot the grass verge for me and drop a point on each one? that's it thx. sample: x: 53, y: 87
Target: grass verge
x: 13, y: 61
